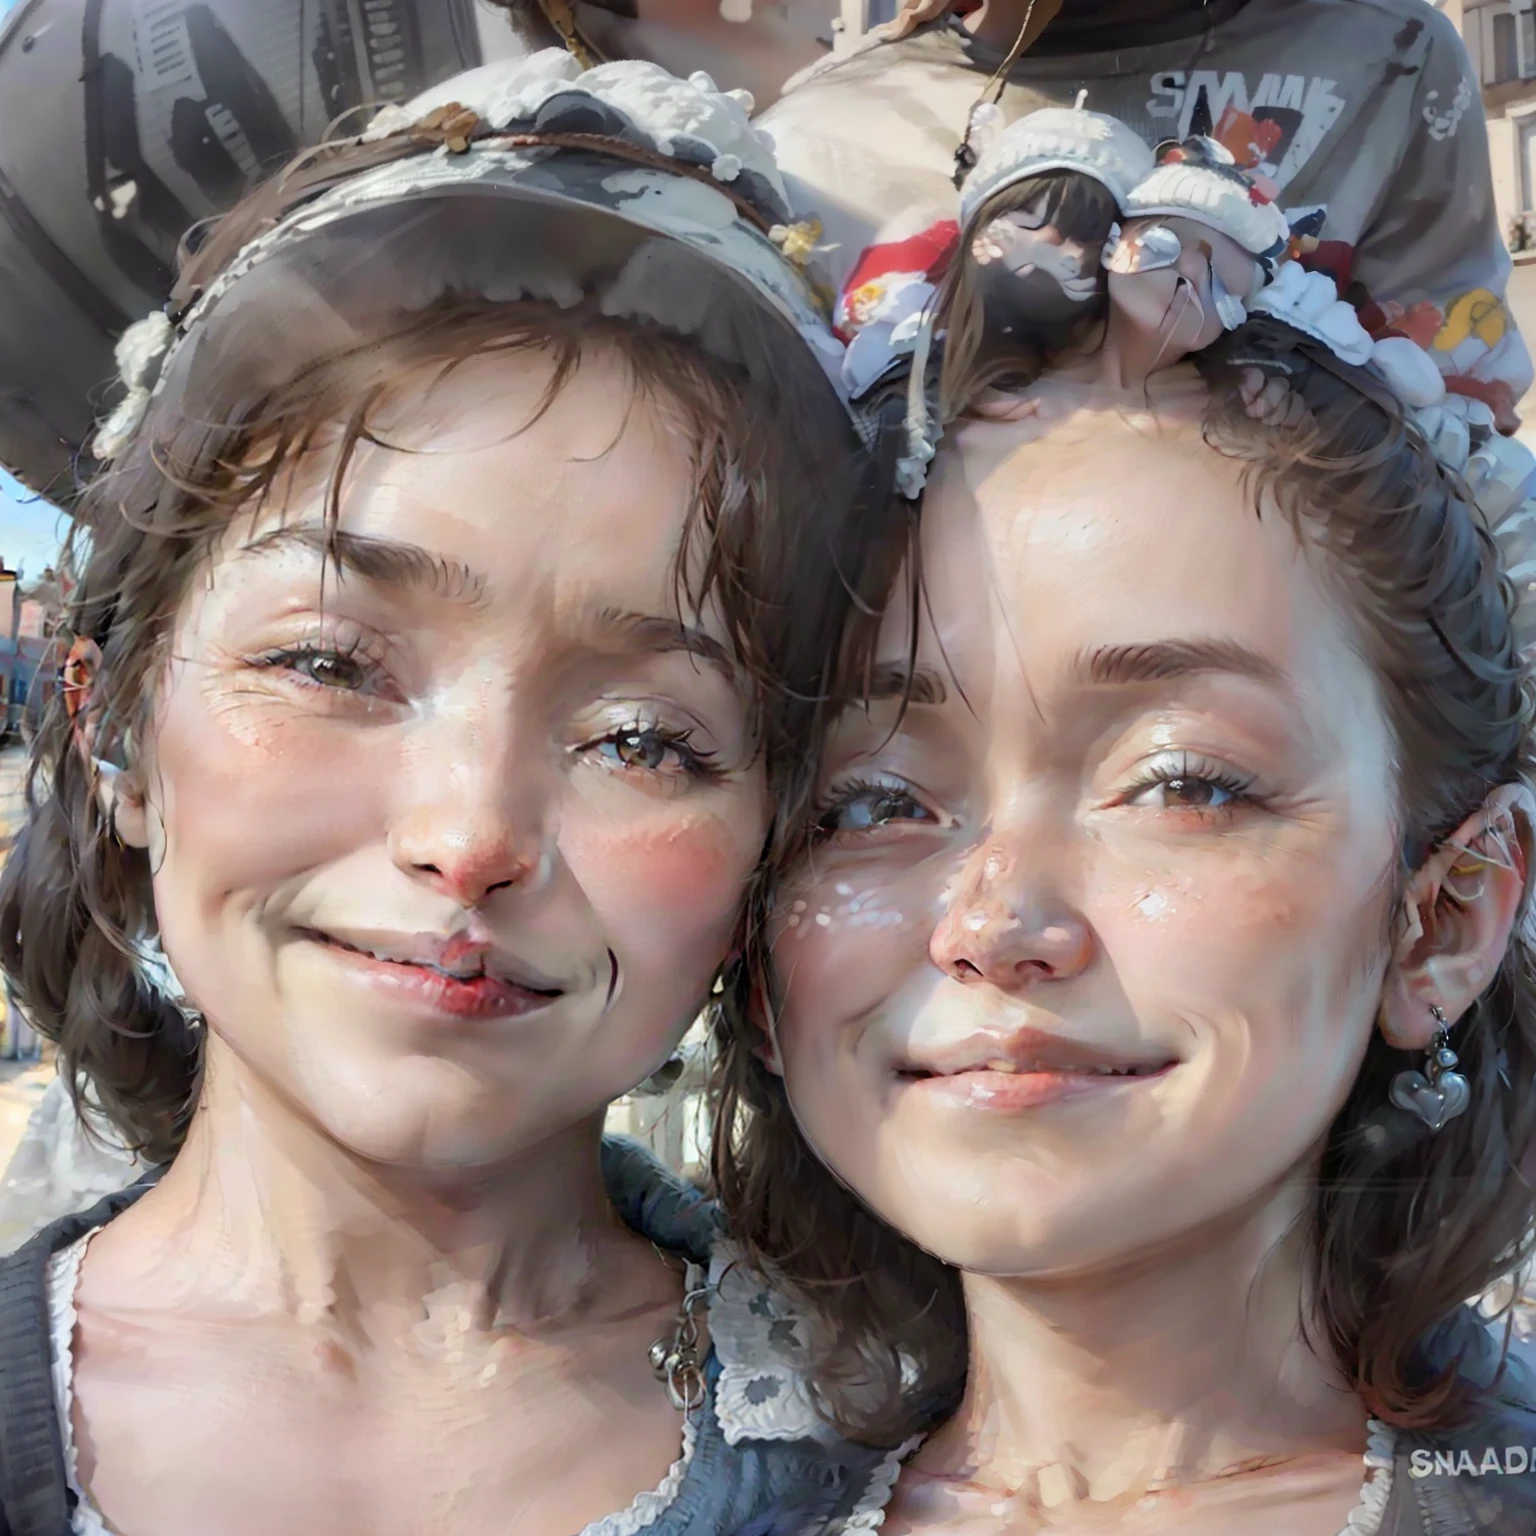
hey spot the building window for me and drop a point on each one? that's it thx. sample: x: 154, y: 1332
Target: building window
x: 1506, y: 53
x: 1525, y: 130
x: 1526, y: 22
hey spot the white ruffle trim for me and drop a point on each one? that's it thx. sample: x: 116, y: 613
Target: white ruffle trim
x: 63, y: 1281
x: 663, y: 107
x: 140, y: 351
x: 648, y: 1508
x: 1310, y: 302
x: 1366, y: 1517
x: 869, y: 1514
x: 765, y: 1346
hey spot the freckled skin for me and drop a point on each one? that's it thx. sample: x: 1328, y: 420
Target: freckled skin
x: 1045, y: 880
x: 380, y: 1290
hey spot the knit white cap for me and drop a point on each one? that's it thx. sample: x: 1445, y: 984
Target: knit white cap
x: 1058, y: 139
x: 1190, y: 189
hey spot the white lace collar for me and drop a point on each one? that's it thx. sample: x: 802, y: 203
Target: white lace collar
x: 763, y: 1345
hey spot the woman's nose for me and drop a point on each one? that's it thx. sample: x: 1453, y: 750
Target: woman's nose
x: 469, y: 862
x: 1003, y: 928
x: 1195, y: 264
x: 474, y: 824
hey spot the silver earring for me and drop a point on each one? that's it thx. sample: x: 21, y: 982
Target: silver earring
x: 1439, y: 1093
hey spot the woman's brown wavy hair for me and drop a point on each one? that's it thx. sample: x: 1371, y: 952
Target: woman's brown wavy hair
x: 785, y: 510
x: 977, y: 353
x: 1405, y: 1226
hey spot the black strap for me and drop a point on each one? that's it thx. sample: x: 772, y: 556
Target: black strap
x: 34, y: 1491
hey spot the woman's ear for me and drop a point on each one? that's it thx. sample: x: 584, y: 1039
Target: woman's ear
x: 121, y: 805
x: 1453, y: 926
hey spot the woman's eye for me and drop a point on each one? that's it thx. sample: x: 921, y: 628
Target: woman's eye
x: 649, y: 749
x: 642, y: 749
x: 862, y: 808
x: 319, y: 667
x: 1186, y: 781
x: 1186, y: 793
x: 331, y: 670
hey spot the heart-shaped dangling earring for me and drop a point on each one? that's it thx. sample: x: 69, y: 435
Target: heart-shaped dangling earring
x: 1439, y: 1093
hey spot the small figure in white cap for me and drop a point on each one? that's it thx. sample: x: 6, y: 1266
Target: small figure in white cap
x: 1202, y: 238
x: 1036, y: 214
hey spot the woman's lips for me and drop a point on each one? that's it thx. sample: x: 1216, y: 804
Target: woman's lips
x: 1005, y: 1088
x: 427, y: 988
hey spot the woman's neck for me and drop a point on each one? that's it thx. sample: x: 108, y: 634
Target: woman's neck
x: 262, y: 1213
x: 1129, y: 359
x: 1182, y: 1367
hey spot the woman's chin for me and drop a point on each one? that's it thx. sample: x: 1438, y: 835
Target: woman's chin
x: 1002, y: 1215
x: 445, y: 1121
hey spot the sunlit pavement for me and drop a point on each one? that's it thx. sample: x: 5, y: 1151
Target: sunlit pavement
x: 21, y: 1082
x: 21, y: 1086
x: 13, y: 768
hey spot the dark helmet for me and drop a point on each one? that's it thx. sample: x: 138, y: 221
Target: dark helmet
x: 125, y: 122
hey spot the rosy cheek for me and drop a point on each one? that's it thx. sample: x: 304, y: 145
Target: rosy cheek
x: 258, y: 794
x: 1232, y: 930
x: 655, y: 881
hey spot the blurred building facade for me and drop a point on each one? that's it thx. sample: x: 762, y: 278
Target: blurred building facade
x: 1501, y: 39
x: 29, y: 619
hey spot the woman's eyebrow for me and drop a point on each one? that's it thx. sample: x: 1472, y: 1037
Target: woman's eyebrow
x: 1159, y: 660
x: 384, y: 562
x: 897, y: 680
x: 653, y: 633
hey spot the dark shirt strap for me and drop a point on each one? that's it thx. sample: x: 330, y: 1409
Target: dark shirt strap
x: 34, y: 1492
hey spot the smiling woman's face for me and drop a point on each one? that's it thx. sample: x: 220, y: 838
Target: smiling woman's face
x: 1091, y: 943
x: 448, y: 843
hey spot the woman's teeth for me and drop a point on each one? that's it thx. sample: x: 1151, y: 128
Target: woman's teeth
x: 1014, y: 1067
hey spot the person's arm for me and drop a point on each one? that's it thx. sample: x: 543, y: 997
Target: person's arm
x: 1434, y: 259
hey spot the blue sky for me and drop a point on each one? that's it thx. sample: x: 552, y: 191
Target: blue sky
x: 31, y: 529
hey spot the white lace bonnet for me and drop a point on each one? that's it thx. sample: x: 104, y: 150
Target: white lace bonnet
x: 535, y: 180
